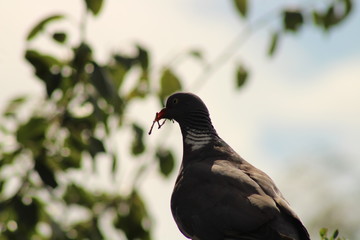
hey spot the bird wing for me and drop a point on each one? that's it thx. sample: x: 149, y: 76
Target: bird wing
x: 211, y: 199
x: 288, y: 215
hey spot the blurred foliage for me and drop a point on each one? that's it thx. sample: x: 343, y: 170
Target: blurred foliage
x: 242, y: 7
x: 241, y: 76
x: 324, y: 235
x: 169, y: 84
x: 323, y: 16
x: 84, y: 104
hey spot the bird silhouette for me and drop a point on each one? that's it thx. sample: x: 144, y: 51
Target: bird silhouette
x: 218, y: 195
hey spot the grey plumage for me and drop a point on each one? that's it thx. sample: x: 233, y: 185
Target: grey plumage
x: 218, y: 195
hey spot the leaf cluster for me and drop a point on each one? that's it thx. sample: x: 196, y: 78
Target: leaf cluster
x: 324, y: 235
x: 293, y: 19
x: 84, y: 104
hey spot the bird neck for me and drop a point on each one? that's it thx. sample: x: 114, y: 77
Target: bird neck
x: 197, y: 131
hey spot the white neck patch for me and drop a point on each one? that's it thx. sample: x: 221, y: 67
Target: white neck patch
x: 197, y: 139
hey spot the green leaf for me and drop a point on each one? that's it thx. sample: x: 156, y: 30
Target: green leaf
x: 98, y: 114
x: 143, y: 57
x: 76, y: 194
x: 166, y: 161
x: 95, y: 146
x: 141, y: 89
x: 41, y: 25
x: 273, y: 43
x: 196, y: 54
x: 323, y: 232
x: 293, y: 20
x: 32, y: 133
x: 137, y: 146
x: 59, y: 37
x: 115, y: 162
x: 4, y: 130
x: 71, y: 161
x: 348, y: 7
x: 29, y: 213
x: 331, y: 17
x: 336, y: 13
x: 2, y: 183
x: 102, y: 83
x: 317, y: 18
x: 41, y: 62
x: 335, y: 234
x: 14, y: 105
x: 134, y: 222
x: 117, y: 73
x: 125, y: 61
x: 94, y: 6
x: 8, y: 158
x: 88, y: 229
x: 82, y: 56
x: 46, y: 173
x: 78, y: 124
x: 241, y: 76
x: 44, y: 66
x: 100, y: 79
x: 75, y: 145
x: 242, y: 7
x: 169, y: 83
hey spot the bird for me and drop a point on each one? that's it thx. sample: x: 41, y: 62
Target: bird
x: 218, y: 195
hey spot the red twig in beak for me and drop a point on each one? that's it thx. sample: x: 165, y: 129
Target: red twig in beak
x: 157, y: 120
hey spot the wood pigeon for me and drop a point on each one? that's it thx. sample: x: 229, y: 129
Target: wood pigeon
x: 218, y: 195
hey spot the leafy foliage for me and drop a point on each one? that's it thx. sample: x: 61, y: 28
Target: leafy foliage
x: 13, y: 106
x: 293, y: 20
x: 333, y: 15
x: 274, y: 43
x: 83, y: 104
x: 241, y: 76
x: 138, y: 146
x: 169, y: 83
x: 42, y: 24
x: 166, y: 161
x: 94, y: 6
x: 59, y: 37
x: 241, y: 6
x: 324, y: 235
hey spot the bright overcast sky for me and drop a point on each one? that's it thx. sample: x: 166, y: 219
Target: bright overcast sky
x: 299, y: 107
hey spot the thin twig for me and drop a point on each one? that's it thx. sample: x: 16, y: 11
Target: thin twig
x: 156, y: 120
x: 231, y: 49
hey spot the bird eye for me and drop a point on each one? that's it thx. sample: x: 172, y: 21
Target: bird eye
x: 175, y: 101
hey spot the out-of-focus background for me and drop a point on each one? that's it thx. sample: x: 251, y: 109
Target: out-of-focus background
x: 292, y: 110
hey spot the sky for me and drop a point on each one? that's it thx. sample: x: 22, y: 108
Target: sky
x: 297, y: 118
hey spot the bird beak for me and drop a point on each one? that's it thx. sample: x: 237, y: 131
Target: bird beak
x: 160, y: 115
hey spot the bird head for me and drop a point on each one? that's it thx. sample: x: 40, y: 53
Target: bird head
x: 183, y: 107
